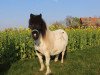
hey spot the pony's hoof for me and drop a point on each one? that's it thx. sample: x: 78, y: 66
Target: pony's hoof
x: 41, y: 69
x: 55, y: 60
x: 48, y: 73
x: 62, y: 62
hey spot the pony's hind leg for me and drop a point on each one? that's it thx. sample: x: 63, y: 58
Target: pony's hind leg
x: 62, y: 58
x: 56, y: 58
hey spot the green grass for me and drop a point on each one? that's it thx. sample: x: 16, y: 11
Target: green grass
x: 80, y: 62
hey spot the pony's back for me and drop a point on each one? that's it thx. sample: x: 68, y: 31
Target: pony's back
x: 60, y: 39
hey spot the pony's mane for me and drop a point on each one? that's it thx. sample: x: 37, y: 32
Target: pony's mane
x: 37, y: 20
x: 43, y: 27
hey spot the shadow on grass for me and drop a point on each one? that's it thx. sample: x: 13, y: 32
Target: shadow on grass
x: 4, y: 68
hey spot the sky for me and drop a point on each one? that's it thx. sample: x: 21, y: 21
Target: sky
x: 16, y: 13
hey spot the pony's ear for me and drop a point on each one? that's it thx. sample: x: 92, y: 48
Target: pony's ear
x: 31, y: 15
x: 40, y: 15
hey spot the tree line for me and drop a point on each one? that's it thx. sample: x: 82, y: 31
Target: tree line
x: 76, y: 22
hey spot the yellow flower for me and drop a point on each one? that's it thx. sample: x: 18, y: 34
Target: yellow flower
x: 28, y: 30
x: 21, y: 27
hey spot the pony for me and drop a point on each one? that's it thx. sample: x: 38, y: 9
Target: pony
x: 46, y: 42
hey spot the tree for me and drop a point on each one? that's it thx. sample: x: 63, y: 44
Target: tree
x: 68, y: 20
x: 73, y: 22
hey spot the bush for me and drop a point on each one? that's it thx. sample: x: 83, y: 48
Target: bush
x: 17, y: 44
x: 81, y: 38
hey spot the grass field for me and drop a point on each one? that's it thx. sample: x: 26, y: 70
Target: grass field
x: 80, y: 62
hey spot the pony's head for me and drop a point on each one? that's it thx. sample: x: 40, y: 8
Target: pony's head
x: 37, y: 25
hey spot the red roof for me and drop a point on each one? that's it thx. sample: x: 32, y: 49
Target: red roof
x: 89, y: 21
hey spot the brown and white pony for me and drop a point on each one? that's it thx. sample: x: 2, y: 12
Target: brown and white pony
x: 47, y: 42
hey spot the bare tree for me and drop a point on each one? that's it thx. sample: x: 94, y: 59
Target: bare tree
x: 69, y: 20
x: 73, y: 21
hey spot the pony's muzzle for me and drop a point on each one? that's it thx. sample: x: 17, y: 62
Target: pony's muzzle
x: 35, y: 34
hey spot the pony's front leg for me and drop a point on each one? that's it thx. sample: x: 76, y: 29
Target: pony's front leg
x: 47, y: 56
x: 40, y: 60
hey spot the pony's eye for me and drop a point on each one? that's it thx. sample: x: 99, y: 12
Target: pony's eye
x: 30, y: 24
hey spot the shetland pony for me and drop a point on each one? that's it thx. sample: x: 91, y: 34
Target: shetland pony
x: 46, y: 42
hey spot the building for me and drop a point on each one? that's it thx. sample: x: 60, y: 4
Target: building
x: 89, y: 21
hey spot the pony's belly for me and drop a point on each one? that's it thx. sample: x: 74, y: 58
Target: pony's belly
x: 55, y: 52
x: 58, y: 48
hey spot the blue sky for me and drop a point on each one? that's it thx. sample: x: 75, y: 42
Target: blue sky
x: 15, y: 13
